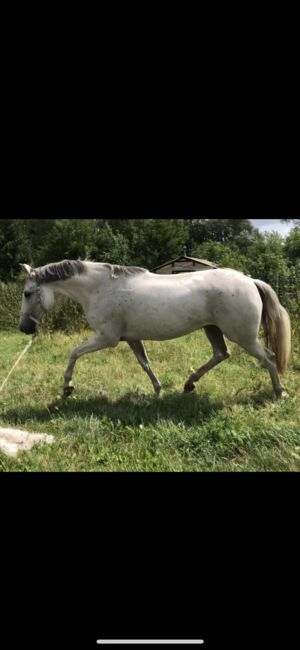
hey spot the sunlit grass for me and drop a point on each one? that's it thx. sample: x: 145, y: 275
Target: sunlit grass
x: 114, y: 422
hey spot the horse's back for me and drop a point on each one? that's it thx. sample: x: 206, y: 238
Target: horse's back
x: 169, y: 306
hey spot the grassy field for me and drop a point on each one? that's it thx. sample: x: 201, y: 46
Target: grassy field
x: 114, y: 422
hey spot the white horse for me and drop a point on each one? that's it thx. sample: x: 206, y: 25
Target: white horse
x: 131, y: 304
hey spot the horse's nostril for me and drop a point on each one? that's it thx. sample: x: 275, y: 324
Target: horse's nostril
x: 28, y: 328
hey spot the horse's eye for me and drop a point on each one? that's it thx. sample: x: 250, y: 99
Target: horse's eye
x: 27, y: 294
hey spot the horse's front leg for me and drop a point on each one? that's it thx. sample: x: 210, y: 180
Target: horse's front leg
x: 92, y: 345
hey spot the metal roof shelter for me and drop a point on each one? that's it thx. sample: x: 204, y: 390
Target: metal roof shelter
x: 185, y: 264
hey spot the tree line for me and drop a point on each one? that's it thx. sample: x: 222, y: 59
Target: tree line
x: 146, y: 242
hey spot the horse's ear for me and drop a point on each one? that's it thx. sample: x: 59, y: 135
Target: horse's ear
x: 28, y: 270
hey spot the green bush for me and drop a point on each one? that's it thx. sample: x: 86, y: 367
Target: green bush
x: 66, y: 315
x: 10, y: 305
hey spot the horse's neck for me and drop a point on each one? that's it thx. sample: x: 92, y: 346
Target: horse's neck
x: 76, y: 288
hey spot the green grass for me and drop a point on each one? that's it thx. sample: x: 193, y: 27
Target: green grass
x: 114, y: 422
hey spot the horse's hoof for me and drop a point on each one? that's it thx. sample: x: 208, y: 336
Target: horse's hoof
x: 68, y: 390
x: 284, y: 394
x: 157, y: 390
x: 188, y: 388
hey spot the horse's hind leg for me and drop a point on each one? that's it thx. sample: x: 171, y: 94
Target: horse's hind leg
x: 268, y: 361
x: 141, y: 355
x: 220, y: 351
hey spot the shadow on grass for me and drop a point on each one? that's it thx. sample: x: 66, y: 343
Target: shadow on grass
x: 133, y: 408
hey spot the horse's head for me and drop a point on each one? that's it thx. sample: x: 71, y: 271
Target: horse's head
x: 37, y: 299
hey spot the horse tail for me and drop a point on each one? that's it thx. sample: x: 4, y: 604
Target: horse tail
x: 277, y: 325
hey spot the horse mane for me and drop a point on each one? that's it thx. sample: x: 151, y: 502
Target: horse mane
x: 59, y: 270
x: 117, y: 270
x: 68, y: 268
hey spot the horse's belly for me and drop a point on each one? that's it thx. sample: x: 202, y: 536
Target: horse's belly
x: 158, y: 333
x: 160, y: 324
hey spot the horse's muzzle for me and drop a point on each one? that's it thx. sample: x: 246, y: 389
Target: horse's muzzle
x: 28, y: 326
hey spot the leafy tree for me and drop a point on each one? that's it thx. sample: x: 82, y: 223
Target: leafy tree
x: 224, y: 254
x: 151, y: 241
x: 15, y: 247
x: 223, y: 230
x: 126, y: 239
x: 268, y: 263
x: 67, y: 238
x: 109, y: 245
x: 292, y: 245
x: 164, y: 239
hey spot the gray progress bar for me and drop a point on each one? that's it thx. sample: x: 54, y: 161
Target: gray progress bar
x: 150, y: 641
